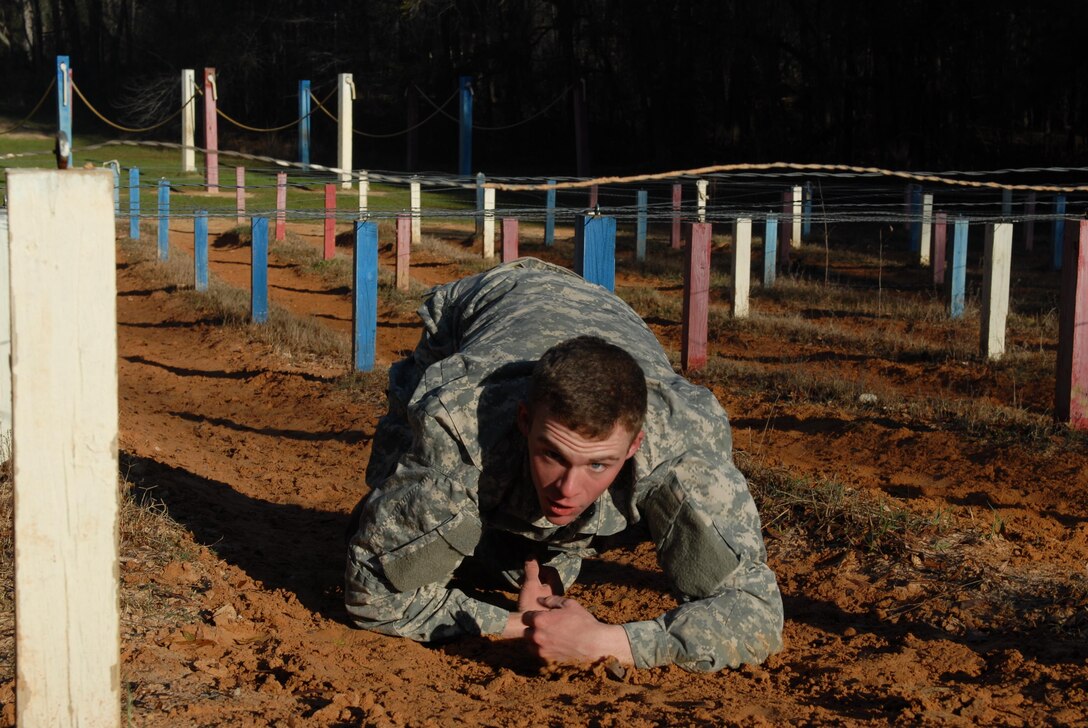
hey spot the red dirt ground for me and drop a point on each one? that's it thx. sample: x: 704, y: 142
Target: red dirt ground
x: 260, y: 457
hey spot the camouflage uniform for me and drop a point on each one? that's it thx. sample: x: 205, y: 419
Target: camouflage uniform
x: 449, y: 467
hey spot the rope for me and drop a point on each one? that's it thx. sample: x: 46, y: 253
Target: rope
x: 33, y: 111
x: 125, y: 128
x: 392, y: 134
x: 719, y: 168
x: 240, y: 125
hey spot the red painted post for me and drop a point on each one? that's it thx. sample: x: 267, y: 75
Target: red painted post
x: 696, y: 297
x: 330, y: 222
x: 677, y: 192
x: 1029, y: 223
x: 940, y: 243
x: 281, y: 205
x: 509, y: 239
x: 785, y: 229
x: 211, y: 132
x: 240, y: 193
x: 594, y: 197
x: 1071, y: 400
x: 404, y: 250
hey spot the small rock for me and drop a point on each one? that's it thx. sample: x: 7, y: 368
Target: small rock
x: 867, y: 398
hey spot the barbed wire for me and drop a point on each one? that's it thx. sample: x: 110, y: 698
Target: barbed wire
x: 504, y: 127
x: 97, y: 113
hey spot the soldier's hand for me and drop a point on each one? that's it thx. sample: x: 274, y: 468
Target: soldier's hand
x: 565, y: 631
x: 539, y: 582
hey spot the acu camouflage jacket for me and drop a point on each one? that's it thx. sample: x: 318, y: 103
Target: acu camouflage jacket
x: 448, y: 464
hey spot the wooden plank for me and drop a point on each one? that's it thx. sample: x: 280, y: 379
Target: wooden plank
x: 509, y: 239
x: 258, y: 270
x: 200, y: 250
x: 64, y: 376
x: 211, y: 132
x: 940, y: 236
x: 164, y: 220
x: 549, y: 216
x: 281, y: 206
x: 240, y: 195
x: 364, y: 300
x: 742, y: 266
x: 595, y: 249
x: 328, y: 248
x: 345, y: 86
x: 1071, y: 400
x: 693, y: 335
x: 489, y: 222
x: 404, y: 250
x: 770, y: 251
x: 134, y: 203
x: 641, y: 205
x: 677, y: 197
x: 996, y: 271
x: 414, y: 202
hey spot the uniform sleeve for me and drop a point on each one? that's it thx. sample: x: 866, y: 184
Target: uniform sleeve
x: 707, y: 532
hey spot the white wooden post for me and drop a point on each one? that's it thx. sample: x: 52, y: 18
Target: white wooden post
x: 798, y: 201
x: 700, y: 200
x: 995, y: 290
x: 188, y: 120
x: 489, y: 222
x: 5, y: 331
x: 364, y: 192
x: 742, y: 266
x: 346, y: 94
x: 413, y: 194
x: 64, y: 375
x: 927, y: 229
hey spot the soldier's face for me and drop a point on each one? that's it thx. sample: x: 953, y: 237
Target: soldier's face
x: 570, y: 471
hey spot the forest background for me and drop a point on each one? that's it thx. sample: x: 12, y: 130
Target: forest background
x: 667, y: 84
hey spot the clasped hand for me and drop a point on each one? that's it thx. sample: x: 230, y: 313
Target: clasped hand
x: 558, y: 628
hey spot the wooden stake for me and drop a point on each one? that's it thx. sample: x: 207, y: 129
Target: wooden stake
x: 164, y: 220
x: 641, y: 203
x: 1029, y: 223
x: 240, y: 195
x: 344, y: 134
x: 414, y: 202
x: 997, y: 269
x: 200, y: 250
x: 64, y: 375
x: 595, y: 249
x: 770, y: 251
x: 1071, y: 400
x: 509, y: 239
x: 798, y: 199
x: 134, y: 203
x: 957, y: 271
x: 364, y: 193
x: 927, y: 230
x: 329, y: 238
x: 188, y: 120
x: 489, y: 222
x: 677, y: 196
x: 700, y: 200
x: 404, y: 250
x: 281, y: 206
x: 742, y: 266
x: 364, y: 300
x: 940, y: 235
x: 211, y: 132
x: 258, y: 270
x: 549, y: 216
x: 693, y: 335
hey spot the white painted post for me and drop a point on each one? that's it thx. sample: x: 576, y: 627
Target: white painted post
x: 188, y: 120
x: 346, y: 94
x: 489, y: 222
x: 742, y: 266
x: 5, y: 330
x: 700, y: 200
x: 798, y: 202
x: 64, y: 375
x: 927, y: 229
x: 364, y: 192
x: 414, y: 195
x: 995, y: 290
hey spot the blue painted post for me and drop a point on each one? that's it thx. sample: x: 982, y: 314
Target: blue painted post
x: 64, y: 105
x: 364, y: 301
x: 164, y: 219
x: 258, y: 269
x: 1006, y: 204
x: 134, y: 203
x: 916, y: 219
x: 480, y: 179
x: 642, y: 202
x: 958, y: 270
x: 200, y: 250
x: 806, y: 225
x: 1059, y: 231
x: 595, y: 249
x: 304, y: 123
x: 464, y: 148
x: 770, y: 251
x: 549, y: 216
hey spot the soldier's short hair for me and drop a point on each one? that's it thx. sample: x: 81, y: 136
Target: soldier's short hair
x: 589, y: 385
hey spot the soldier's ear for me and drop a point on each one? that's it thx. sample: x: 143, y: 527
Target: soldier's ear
x: 635, y: 444
x: 525, y: 419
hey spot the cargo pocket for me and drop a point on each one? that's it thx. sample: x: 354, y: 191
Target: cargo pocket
x: 432, y: 557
